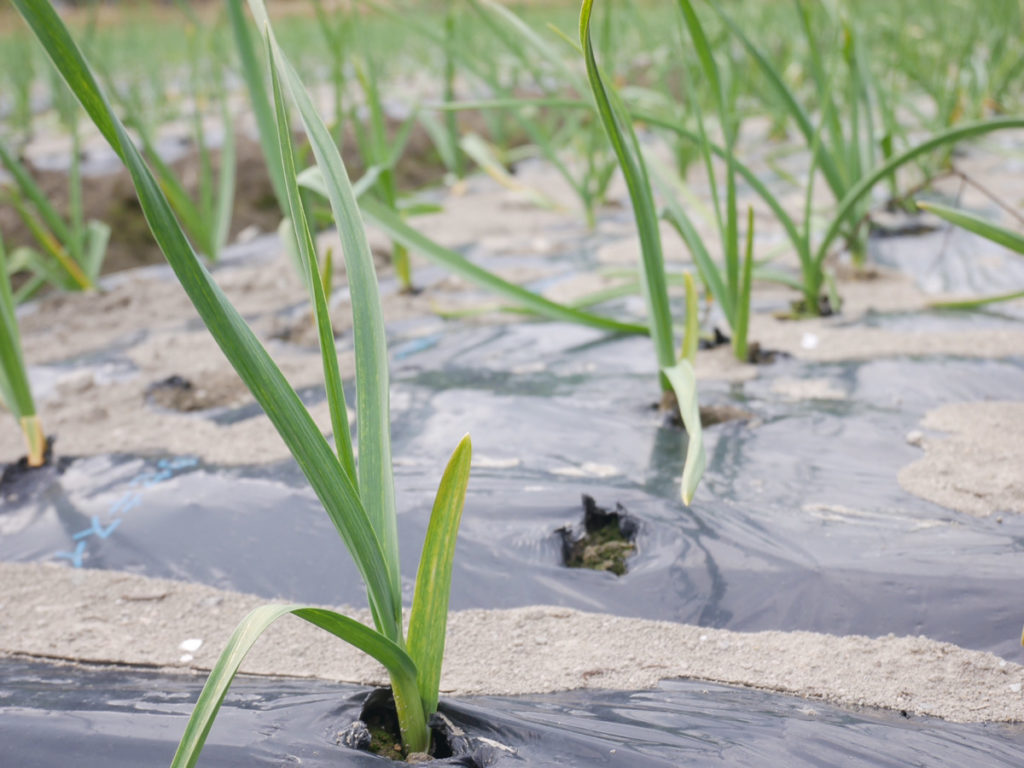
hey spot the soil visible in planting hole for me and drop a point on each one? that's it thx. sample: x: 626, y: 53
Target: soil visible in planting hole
x: 799, y: 309
x: 718, y: 339
x: 710, y: 415
x: 13, y: 473
x: 607, y: 540
x: 717, y: 413
x: 377, y: 731
x: 756, y: 355
x: 177, y: 393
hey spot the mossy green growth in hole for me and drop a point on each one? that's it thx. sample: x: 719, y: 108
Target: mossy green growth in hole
x: 386, y: 743
x: 607, y: 540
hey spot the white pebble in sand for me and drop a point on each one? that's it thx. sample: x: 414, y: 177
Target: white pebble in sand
x: 915, y: 437
x: 809, y: 341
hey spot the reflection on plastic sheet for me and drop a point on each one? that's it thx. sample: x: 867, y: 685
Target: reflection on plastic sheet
x: 118, y: 718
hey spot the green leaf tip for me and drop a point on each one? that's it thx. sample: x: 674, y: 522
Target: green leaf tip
x: 684, y: 384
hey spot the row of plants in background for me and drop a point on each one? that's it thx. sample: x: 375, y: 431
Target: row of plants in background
x: 904, y: 47
x: 852, y: 163
x: 68, y: 250
x: 493, y: 51
x: 677, y: 374
x: 207, y: 216
x: 853, y: 159
x: 358, y: 497
x: 730, y: 285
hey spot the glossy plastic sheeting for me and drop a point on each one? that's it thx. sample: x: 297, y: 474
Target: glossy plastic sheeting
x: 119, y: 718
x: 799, y: 524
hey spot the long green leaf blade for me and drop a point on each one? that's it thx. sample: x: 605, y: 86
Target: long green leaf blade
x: 676, y: 215
x: 373, y: 418
x: 980, y: 301
x: 741, y: 322
x: 14, y: 385
x: 744, y: 170
x: 691, y: 334
x: 707, y: 63
x: 34, y: 192
x: 786, y: 95
x: 68, y: 271
x: 429, y: 616
x: 388, y: 653
x: 619, y: 128
x: 307, y: 253
x: 259, y: 372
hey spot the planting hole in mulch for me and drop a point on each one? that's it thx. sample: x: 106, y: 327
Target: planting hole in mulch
x: 18, y: 473
x: 377, y: 731
x: 710, y: 414
x: 607, y: 540
x: 799, y: 309
x: 756, y: 354
x: 177, y: 393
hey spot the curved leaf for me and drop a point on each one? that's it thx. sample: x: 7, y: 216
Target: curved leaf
x: 978, y: 225
x: 684, y: 384
x: 862, y: 187
x: 388, y: 653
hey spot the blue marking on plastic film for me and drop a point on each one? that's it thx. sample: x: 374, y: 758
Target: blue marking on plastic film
x: 129, y: 501
x: 126, y: 502
x: 75, y: 557
x: 97, y: 529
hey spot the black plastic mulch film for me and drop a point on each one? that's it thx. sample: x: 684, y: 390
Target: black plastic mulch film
x: 768, y: 544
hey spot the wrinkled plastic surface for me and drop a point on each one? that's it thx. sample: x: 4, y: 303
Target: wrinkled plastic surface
x: 112, y: 718
x: 953, y: 260
x: 799, y: 524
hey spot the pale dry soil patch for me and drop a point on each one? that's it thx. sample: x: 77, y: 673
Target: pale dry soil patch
x: 55, y: 612
x: 974, y: 461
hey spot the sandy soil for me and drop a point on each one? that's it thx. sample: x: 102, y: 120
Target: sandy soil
x: 978, y: 467
x: 101, y: 616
